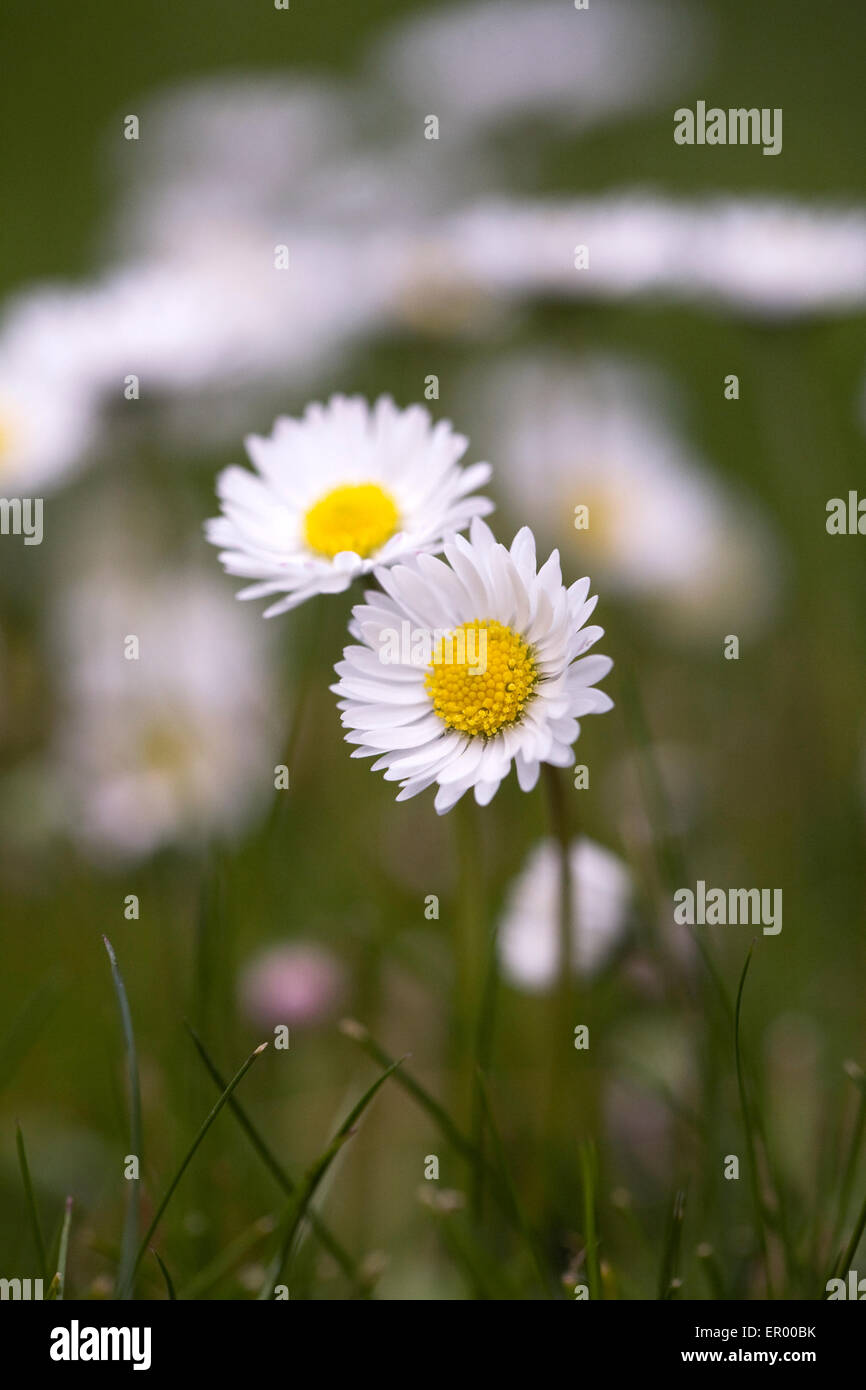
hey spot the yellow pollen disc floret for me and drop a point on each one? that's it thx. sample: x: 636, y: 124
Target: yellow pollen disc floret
x: 480, y: 678
x: 357, y: 516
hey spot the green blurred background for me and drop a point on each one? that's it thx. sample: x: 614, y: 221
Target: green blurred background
x: 779, y: 736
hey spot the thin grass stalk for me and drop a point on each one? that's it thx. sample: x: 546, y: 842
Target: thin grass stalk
x: 754, y: 1177
x: 129, y: 1239
x: 32, y: 1209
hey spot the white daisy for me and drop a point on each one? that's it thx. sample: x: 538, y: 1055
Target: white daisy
x: 601, y: 892
x: 345, y: 489
x: 468, y: 666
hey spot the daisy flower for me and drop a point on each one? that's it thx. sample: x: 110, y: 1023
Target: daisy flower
x: 176, y: 745
x: 528, y: 937
x: 493, y: 63
x: 659, y: 524
x: 46, y: 429
x: 468, y: 666
x: 345, y: 489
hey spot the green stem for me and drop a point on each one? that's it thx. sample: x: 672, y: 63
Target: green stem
x: 853, y: 1154
x: 472, y: 999
x: 125, y: 1278
x: 846, y: 1258
x: 589, y: 1177
x: 32, y: 1209
x: 747, y: 1126
x: 60, y: 1276
x: 568, y: 996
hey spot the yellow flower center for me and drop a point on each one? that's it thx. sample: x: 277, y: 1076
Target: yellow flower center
x: 480, y: 678
x: 357, y: 516
x: 165, y: 749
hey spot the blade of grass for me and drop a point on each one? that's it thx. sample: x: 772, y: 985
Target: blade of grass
x: 314, y: 1175
x: 160, y: 1211
x: 856, y: 1075
x: 165, y: 1274
x: 846, y: 1257
x: 32, y: 1209
x: 712, y: 1269
x: 669, y: 1280
x: 59, y: 1280
x: 129, y: 1240
x: 747, y: 1127
x: 329, y: 1242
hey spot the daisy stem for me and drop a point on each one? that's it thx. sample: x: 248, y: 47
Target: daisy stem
x: 562, y: 1014
x: 472, y: 1001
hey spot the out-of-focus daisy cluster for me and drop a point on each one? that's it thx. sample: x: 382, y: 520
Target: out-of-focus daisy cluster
x: 265, y: 227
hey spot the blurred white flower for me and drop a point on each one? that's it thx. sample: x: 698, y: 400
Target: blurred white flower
x: 47, y: 426
x: 224, y: 312
x: 601, y: 434
x: 345, y: 489
x: 478, y: 65
x: 601, y: 894
x: 764, y: 257
x: 224, y: 156
x: 177, y: 743
x: 779, y: 257
x: 185, y: 330
x: 297, y: 984
x: 49, y: 414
